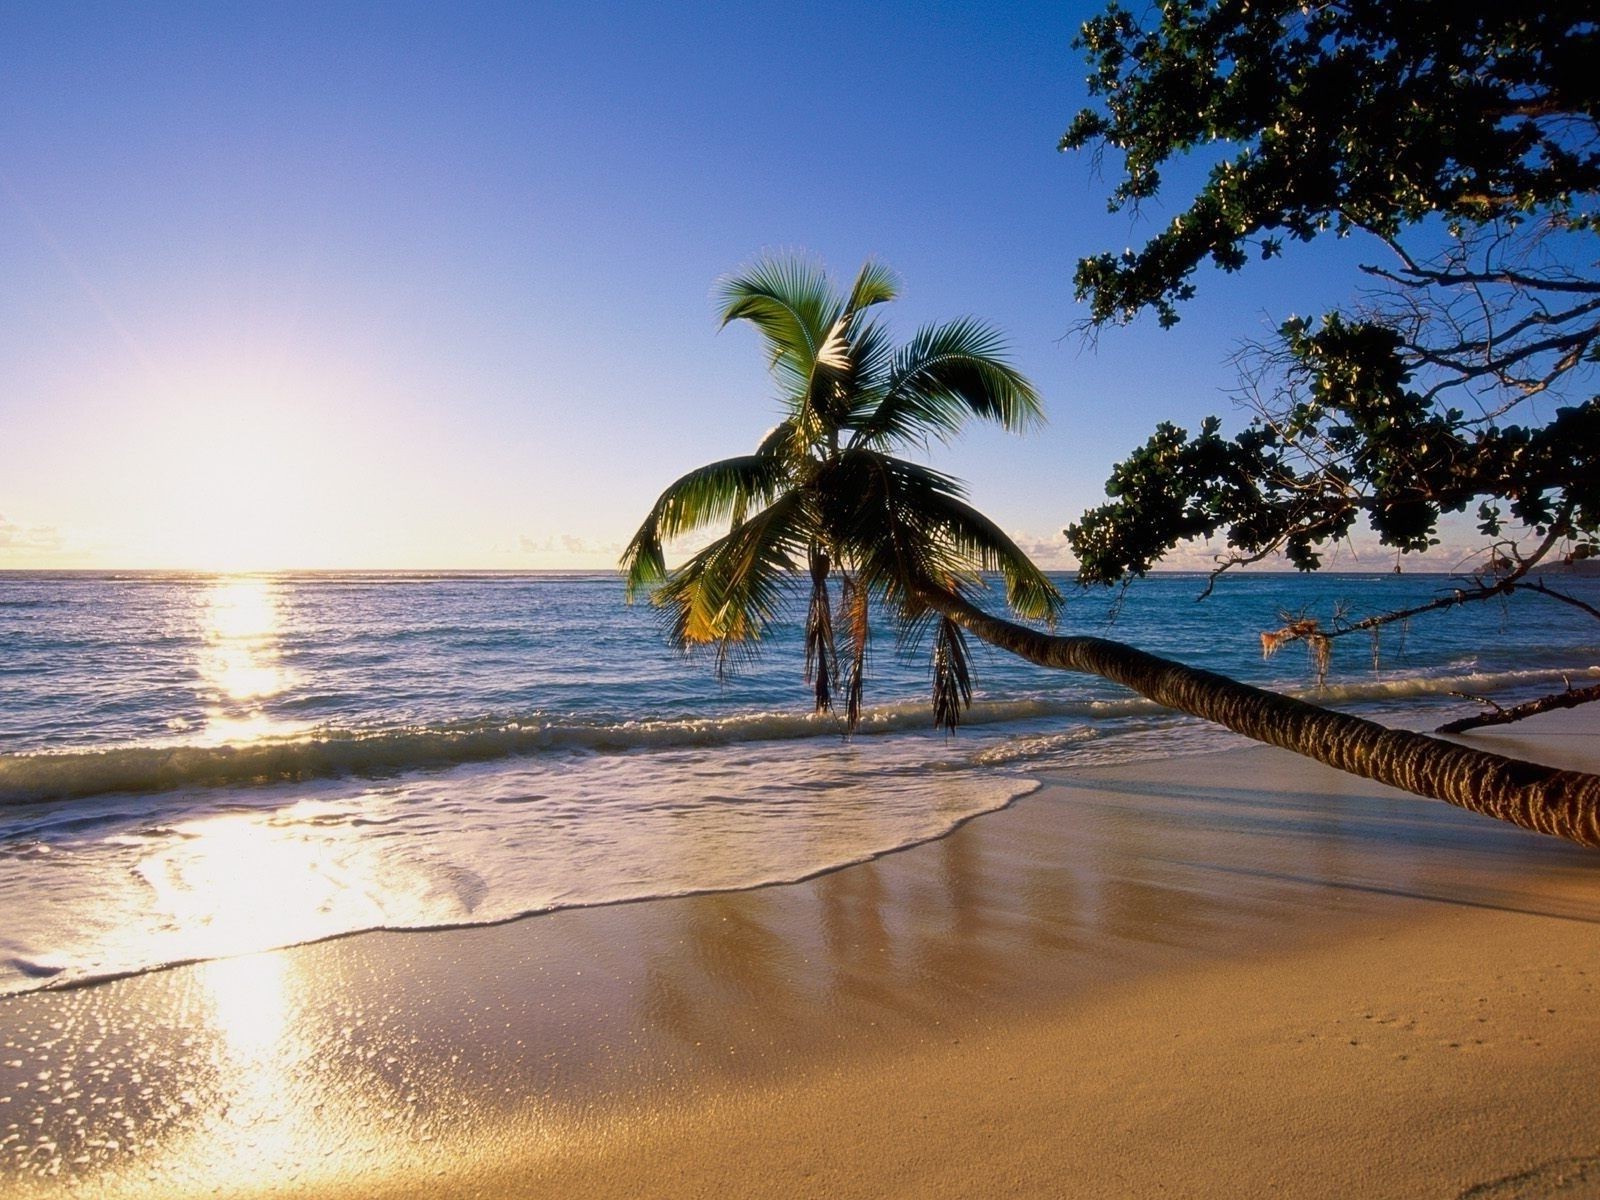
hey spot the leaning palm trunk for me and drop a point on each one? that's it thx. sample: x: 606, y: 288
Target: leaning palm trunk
x: 825, y: 486
x: 1541, y: 798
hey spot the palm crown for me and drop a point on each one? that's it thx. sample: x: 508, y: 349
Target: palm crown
x: 824, y: 494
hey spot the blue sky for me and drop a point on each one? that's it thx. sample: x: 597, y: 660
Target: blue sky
x: 429, y: 285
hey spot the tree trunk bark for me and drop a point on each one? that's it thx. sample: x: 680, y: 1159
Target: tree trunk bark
x: 1562, y: 803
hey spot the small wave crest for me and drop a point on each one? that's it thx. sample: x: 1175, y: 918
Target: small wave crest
x: 33, y: 778
x: 1400, y: 686
x: 1041, y: 745
x: 55, y: 775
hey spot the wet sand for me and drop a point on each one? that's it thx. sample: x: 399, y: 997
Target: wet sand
x: 1218, y: 976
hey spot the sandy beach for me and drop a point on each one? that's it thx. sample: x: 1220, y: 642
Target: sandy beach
x: 1224, y: 975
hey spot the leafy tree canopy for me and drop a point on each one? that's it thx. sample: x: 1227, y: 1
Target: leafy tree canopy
x: 1465, y: 139
x: 1370, y: 115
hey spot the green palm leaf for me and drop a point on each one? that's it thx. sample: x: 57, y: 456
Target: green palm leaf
x: 792, y: 303
x: 978, y: 541
x: 875, y: 284
x: 708, y: 494
x: 907, y: 526
x: 728, y: 595
x: 944, y: 376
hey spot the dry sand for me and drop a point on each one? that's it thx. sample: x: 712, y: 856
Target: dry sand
x: 1231, y: 975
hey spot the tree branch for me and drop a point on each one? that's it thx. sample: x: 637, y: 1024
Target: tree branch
x: 1570, y: 698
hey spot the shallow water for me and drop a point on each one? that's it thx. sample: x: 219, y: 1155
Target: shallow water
x: 199, y: 766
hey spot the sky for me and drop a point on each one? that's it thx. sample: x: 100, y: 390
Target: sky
x: 384, y: 285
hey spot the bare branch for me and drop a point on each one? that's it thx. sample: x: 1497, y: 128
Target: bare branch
x: 1570, y: 698
x: 1544, y: 589
x: 1414, y: 275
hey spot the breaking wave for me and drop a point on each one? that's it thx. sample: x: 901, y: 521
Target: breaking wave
x: 328, y: 754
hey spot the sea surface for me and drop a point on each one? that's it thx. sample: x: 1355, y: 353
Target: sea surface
x: 198, y: 766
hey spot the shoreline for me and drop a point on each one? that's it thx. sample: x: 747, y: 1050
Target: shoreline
x: 1001, y: 984
x: 72, y: 985
x: 1175, y: 737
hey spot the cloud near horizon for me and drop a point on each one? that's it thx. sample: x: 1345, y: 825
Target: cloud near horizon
x: 17, y: 540
x: 569, y: 546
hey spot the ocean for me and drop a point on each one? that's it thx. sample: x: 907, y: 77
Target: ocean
x: 199, y: 766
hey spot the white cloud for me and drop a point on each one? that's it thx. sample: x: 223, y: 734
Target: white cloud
x: 17, y: 539
x: 1458, y: 551
x: 1049, y: 551
x: 568, y: 547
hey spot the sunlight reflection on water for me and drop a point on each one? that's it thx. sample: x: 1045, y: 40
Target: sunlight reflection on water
x: 240, y: 660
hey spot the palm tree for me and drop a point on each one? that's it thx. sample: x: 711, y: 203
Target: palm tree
x: 824, y: 496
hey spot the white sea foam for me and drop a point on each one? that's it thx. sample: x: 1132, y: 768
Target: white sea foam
x: 95, y: 888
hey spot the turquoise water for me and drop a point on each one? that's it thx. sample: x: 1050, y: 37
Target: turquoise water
x: 193, y: 766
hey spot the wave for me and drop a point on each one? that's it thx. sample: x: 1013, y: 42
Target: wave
x: 1401, y: 686
x: 330, y: 754
x: 56, y: 775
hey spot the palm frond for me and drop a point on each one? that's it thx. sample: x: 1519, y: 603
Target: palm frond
x: 871, y: 353
x: 730, y: 593
x: 789, y: 440
x: 708, y: 494
x: 944, y: 376
x: 952, y: 675
x: 983, y: 545
x: 875, y: 284
x: 872, y: 506
x: 792, y: 302
x: 777, y: 440
x: 907, y: 526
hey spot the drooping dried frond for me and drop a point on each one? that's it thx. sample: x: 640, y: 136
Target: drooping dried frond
x: 822, y: 657
x: 855, y: 616
x: 952, y: 675
x: 1300, y: 629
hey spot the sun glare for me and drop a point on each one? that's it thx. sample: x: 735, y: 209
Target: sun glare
x: 240, y: 665
x: 232, y: 478
x: 248, y: 1004
x: 224, y: 883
